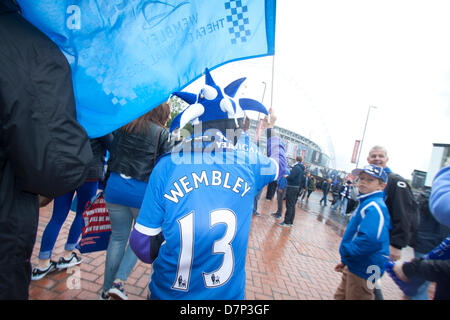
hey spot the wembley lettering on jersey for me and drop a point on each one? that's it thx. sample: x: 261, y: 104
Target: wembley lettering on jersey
x: 188, y: 183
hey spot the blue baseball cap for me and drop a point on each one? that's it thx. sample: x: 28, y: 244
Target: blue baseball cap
x: 372, y: 170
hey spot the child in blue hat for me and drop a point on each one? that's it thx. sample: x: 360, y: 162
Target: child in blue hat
x: 364, y: 247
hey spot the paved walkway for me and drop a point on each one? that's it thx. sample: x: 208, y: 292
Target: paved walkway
x: 282, y: 263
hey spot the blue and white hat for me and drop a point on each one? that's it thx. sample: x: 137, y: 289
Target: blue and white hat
x: 372, y: 170
x: 213, y: 104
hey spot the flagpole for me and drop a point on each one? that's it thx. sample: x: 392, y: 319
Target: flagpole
x: 259, y: 115
x: 271, y: 89
x: 262, y: 99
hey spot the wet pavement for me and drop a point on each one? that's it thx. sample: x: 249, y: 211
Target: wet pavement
x: 282, y: 263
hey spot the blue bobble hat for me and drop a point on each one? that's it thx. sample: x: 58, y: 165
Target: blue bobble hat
x: 214, y: 104
x: 372, y: 170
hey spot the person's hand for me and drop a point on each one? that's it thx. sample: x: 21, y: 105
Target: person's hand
x: 398, y: 270
x: 269, y: 122
x: 395, y: 253
x: 339, y: 267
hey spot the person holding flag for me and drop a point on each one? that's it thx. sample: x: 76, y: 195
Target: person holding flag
x: 44, y: 151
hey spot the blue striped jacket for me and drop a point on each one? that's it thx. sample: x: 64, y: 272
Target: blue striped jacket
x: 365, y: 244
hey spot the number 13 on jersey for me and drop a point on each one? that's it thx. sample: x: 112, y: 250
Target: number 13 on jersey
x: 223, y: 246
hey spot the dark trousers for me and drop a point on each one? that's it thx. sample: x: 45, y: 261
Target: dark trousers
x: 301, y: 191
x: 309, y: 193
x: 378, y: 294
x: 18, y: 228
x: 271, y: 189
x: 280, y: 195
x: 255, y: 201
x: 14, y: 280
x: 324, y: 198
x: 291, y: 200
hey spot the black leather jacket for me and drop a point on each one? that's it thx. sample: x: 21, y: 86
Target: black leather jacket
x: 99, y: 147
x: 134, y: 154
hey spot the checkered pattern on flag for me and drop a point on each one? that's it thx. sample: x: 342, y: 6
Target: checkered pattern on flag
x: 127, y: 57
x: 238, y: 20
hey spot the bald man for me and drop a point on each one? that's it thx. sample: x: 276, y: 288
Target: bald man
x: 401, y: 204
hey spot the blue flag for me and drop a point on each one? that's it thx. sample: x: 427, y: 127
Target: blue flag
x: 128, y: 56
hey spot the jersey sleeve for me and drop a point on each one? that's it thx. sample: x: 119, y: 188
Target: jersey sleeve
x: 151, y: 213
x: 265, y: 171
x: 270, y: 168
x: 146, y: 237
x: 277, y: 152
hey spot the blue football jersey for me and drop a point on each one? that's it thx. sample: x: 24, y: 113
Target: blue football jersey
x: 203, y: 203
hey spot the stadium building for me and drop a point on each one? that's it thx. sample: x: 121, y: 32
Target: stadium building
x: 316, y: 160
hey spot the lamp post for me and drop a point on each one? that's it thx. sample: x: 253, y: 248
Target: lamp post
x: 364, y: 134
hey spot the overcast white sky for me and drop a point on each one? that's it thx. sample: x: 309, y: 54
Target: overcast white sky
x: 334, y: 59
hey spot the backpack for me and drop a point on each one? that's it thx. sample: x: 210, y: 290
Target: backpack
x: 411, y: 202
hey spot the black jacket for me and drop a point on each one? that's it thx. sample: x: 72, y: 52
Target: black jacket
x: 43, y: 149
x: 325, y: 187
x: 431, y: 270
x: 134, y: 154
x: 295, y: 178
x: 99, y: 147
x: 403, y: 211
x: 41, y: 139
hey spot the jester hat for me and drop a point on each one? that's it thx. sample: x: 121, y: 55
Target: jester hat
x: 214, y: 104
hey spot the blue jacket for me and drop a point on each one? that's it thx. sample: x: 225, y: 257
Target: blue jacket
x: 440, y: 196
x: 282, y: 182
x: 366, y: 240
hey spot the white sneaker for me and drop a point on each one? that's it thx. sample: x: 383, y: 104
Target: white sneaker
x: 73, y: 261
x: 117, y: 291
x: 38, y: 274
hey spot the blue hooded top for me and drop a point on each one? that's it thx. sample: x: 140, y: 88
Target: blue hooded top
x: 440, y: 196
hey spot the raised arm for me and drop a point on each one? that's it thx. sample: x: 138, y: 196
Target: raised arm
x: 275, y: 146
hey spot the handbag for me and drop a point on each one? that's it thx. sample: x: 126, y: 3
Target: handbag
x: 96, y: 231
